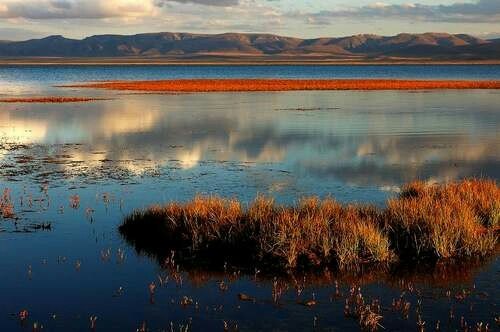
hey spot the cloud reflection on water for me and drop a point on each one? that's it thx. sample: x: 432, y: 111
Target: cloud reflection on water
x: 377, y: 139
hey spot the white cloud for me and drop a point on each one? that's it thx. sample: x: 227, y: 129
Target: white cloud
x: 217, y: 3
x: 478, y: 12
x: 70, y: 9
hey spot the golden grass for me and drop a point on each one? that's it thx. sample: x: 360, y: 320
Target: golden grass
x: 454, y: 219
x: 49, y: 100
x: 241, y: 85
x: 441, y: 221
x: 6, y: 205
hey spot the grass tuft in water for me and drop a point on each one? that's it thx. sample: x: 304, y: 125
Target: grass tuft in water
x: 6, y: 205
x: 445, y: 221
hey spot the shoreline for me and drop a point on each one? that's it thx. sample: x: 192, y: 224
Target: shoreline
x: 257, y: 61
x: 268, y: 85
x: 49, y: 100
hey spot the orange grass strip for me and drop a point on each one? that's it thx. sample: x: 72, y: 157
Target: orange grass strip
x: 241, y: 85
x: 49, y: 100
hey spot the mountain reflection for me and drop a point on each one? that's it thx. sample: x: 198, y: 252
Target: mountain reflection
x: 371, y: 139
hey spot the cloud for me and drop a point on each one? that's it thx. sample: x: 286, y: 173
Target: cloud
x: 478, y: 12
x: 247, y: 16
x: 20, y: 34
x: 488, y: 35
x: 69, y: 9
x: 219, y: 3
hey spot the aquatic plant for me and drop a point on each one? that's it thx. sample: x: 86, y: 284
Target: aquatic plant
x: 450, y: 220
x: 93, y: 320
x: 6, y: 205
x: 74, y: 201
x: 23, y: 315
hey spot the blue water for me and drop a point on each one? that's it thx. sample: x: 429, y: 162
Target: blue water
x: 64, y: 74
x: 135, y: 150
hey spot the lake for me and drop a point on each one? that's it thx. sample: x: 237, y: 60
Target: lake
x: 82, y: 167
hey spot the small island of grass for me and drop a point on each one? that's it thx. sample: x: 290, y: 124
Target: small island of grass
x: 426, y: 221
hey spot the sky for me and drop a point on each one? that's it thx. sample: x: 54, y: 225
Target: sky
x: 25, y: 19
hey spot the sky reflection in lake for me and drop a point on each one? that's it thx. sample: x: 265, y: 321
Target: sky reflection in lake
x: 299, y: 142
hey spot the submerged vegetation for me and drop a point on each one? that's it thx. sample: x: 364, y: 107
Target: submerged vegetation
x: 426, y: 221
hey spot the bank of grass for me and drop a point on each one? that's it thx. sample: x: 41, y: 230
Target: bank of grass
x: 425, y: 221
x: 246, y: 85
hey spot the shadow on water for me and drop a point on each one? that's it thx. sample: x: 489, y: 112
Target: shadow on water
x: 431, y: 272
x: 440, y: 294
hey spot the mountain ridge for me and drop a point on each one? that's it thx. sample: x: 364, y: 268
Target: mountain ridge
x: 441, y: 46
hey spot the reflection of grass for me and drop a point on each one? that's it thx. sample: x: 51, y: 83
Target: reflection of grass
x: 425, y: 221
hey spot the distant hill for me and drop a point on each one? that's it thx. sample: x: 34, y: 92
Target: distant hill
x: 436, y: 46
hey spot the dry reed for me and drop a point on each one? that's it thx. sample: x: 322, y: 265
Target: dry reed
x: 449, y: 220
x: 441, y: 221
x: 241, y: 85
x: 6, y: 205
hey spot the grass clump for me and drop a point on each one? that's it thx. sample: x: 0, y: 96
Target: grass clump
x: 440, y: 221
x: 449, y: 220
x: 6, y: 205
x: 318, y: 232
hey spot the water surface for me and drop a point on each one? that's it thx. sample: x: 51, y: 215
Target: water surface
x: 24, y: 79
x: 135, y: 150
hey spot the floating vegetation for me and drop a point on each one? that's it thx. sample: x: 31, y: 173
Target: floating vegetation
x: 426, y: 221
x: 308, y: 109
x: 58, y: 162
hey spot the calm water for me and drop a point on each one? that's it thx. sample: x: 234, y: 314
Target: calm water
x: 22, y: 79
x: 135, y: 150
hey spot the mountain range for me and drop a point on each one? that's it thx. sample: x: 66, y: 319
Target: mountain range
x: 435, y: 46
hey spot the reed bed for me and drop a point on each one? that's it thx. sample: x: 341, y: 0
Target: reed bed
x: 245, y: 85
x: 452, y: 220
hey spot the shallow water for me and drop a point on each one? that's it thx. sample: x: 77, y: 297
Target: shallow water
x: 134, y: 150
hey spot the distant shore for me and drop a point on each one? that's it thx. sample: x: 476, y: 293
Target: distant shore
x: 49, y: 100
x: 233, y: 61
x: 248, y: 85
